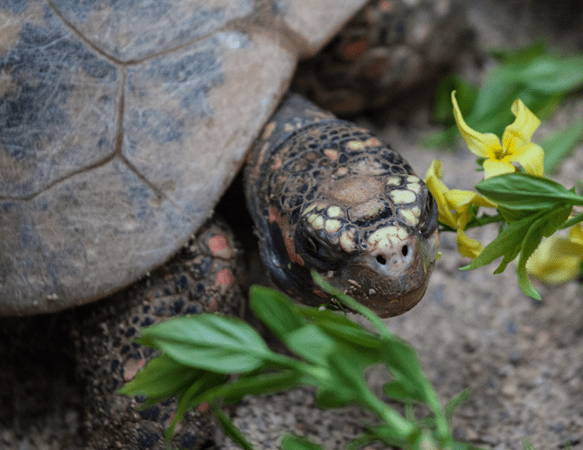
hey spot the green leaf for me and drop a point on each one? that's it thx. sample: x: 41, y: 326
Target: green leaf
x: 572, y: 221
x: 521, y: 191
x: 465, y: 95
x: 544, y: 226
x: 210, y: 342
x: 455, y: 402
x: 558, y: 146
x: 553, y: 74
x: 506, y: 243
x: 513, y: 215
x: 403, y: 390
x: 521, y: 55
x: 401, y: 360
x: 275, y: 310
x: 189, y: 399
x: 338, y: 326
x: 311, y: 343
x: 295, y: 442
x: 345, y: 382
x: 230, y: 429
x: 389, y: 434
x: 259, y: 384
x: 255, y: 384
x: 161, y: 379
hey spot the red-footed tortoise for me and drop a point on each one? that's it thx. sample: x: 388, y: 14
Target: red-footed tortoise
x: 122, y: 124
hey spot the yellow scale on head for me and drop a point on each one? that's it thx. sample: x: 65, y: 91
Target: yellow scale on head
x: 347, y: 241
x: 333, y: 225
x: 393, y: 181
x: 355, y: 145
x: 335, y: 211
x: 387, y: 236
x: 408, y: 217
x: 406, y: 196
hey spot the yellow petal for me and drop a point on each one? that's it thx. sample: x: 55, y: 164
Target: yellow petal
x: 435, y: 170
x: 438, y: 189
x: 531, y: 157
x: 521, y: 130
x: 556, y: 260
x: 479, y: 144
x: 457, y: 198
x: 466, y: 246
x: 576, y: 234
x: 494, y: 167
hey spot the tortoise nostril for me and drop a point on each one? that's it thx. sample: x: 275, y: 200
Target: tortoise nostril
x: 381, y: 260
x: 405, y: 250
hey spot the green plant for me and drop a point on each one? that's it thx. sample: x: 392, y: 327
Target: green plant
x: 331, y: 354
x: 529, y: 206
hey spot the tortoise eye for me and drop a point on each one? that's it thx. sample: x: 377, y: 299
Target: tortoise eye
x: 318, y: 253
x: 312, y: 246
x: 429, y: 215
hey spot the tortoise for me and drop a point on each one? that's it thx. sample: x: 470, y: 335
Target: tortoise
x: 124, y: 124
x: 160, y: 105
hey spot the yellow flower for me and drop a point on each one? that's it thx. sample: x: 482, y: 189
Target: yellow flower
x: 515, y: 146
x: 558, y: 258
x: 454, y: 206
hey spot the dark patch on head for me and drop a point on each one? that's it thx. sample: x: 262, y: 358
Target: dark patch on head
x: 294, y: 216
x: 291, y: 201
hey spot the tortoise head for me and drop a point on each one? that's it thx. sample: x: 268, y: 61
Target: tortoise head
x: 375, y: 239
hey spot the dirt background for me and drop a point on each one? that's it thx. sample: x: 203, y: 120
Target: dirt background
x: 521, y: 359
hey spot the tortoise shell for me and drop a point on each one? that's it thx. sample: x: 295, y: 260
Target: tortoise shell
x: 122, y: 125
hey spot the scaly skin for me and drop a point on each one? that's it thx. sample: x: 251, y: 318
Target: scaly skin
x: 327, y: 194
